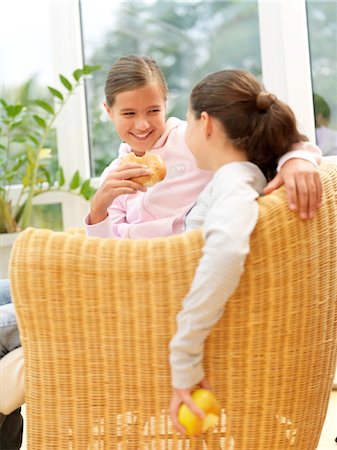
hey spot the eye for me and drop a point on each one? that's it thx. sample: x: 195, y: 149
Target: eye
x: 128, y: 114
x: 155, y: 110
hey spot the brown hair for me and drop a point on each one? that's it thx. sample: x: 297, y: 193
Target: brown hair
x: 255, y: 121
x: 133, y: 72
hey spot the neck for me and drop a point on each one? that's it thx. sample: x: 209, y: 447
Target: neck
x: 224, y: 152
x: 220, y: 148
x: 138, y: 152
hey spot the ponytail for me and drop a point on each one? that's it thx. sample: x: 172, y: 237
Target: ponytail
x: 254, y: 120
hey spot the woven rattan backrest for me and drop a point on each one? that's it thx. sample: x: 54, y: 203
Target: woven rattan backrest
x: 96, y: 316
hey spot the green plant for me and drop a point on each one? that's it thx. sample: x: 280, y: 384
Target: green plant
x: 26, y: 157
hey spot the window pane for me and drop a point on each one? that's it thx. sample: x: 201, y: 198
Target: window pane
x: 25, y: 72
x: 47, y: 216
x: 26, y: 65
x: 26, y: 57
x: 26, y: 60
x: 187, y: 39
x: 322, y: 23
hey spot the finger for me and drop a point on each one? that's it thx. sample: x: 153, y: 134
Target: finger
x: 303, y: 197
x: 129, y: 165
x: 187, y: 399
x: 275, y: 183
x: 315, y: 199
x: 174, y: 408
x: 128, y: 173
x: 319, y: 189
x: 291, y: 190
x: 312, y: 196
x: 131, y: 184
x: 115, y: 184
x: 126, y: 191
x: 177, y: 425
x: 205, y: 385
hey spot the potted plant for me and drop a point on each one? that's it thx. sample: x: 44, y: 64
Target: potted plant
x: 27, y: 160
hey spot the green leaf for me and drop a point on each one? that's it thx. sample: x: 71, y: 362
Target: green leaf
x: 7, y: 221
x: 75, y: 181
x: 46, y: 174
x: 13, y: 110
x: 31, y: 155
x: 19, y: 138
x: 33, y: 139
x: 55, y: 93
x: 45, y: 105
x: 27, y: 177
x: 15, y: 124
x: 19, y: 213
x: 87, y: 191
x: 87, y: 70
x: 41, y: 122
x: 77, y: 74
x: 21, y: 160
x: 60, y: 176
x: 66, y: 83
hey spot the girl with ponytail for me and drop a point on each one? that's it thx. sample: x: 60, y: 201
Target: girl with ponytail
x: 239, y: 131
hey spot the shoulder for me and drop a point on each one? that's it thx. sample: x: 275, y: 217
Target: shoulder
x: 236, y: 177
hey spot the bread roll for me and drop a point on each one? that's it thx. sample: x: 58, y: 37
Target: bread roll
x: 153, y: 162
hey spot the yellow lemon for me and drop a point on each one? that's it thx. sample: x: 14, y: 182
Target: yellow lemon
x: 208, y: 403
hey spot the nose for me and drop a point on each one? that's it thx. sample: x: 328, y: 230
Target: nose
x: 142, y: 123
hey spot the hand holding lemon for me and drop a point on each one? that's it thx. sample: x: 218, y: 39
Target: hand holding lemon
x: 199, y: 411
x: 207, y: 402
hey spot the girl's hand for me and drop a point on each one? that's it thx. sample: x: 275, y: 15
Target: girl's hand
x: 303, y: 185
x: 116, y: 183
x: 180, y: 396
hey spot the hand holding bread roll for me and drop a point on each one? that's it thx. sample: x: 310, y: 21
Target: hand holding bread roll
x: 153, y: 162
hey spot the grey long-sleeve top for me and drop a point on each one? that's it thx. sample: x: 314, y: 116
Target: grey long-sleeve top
x: 227, y: 211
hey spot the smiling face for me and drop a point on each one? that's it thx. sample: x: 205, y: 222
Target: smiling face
x: 139, y: 116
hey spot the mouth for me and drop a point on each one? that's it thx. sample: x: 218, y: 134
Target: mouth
x: 141, y: 136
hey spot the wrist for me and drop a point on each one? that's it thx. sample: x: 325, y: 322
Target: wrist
x: 97, y: 217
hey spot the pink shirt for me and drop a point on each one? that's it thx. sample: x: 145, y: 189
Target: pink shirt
x: 161, y: 210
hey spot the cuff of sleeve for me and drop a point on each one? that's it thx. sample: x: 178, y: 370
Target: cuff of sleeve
x: 187, y: 378
x: 124, y: 230
x: 101, y: 229
x: 301, y: 154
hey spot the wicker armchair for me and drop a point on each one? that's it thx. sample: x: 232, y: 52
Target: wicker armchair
x: 96, y: 316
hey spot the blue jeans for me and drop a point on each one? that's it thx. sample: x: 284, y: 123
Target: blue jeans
x: 11, y: 426
x: 5, y: 293
x: 9, y: 333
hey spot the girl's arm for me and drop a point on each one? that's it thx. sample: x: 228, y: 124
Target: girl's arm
x: 230, y: 220
x: 108, y: 228
x: 298, y: 171
x: 115, y: 182
x: 302, y: 150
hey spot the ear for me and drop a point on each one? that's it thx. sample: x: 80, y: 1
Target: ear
x: 107, y: 109
x: 207, y: 124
